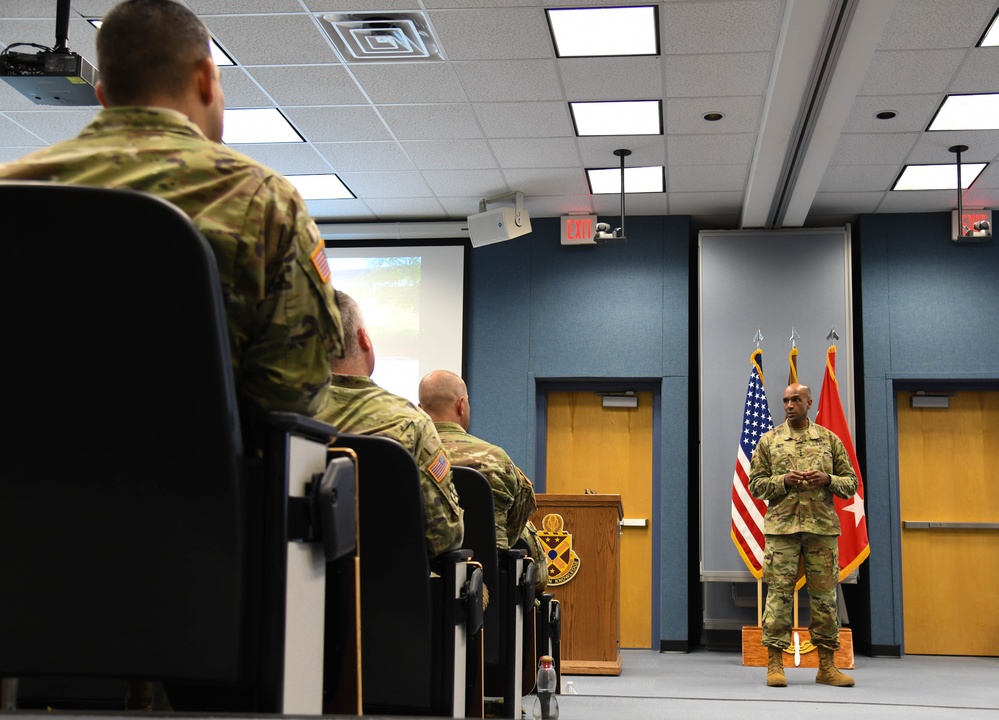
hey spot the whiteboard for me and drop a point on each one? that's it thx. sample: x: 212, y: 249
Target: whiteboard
x: 771, y: 280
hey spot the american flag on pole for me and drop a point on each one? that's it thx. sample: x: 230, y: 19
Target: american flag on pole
x: 854, y: 546
x: 747, y: 511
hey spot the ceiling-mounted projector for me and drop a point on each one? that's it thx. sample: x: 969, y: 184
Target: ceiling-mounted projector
x: 495, y: 226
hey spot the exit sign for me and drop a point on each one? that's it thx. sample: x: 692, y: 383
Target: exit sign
x: 579, y: 229
x: 976, y: 226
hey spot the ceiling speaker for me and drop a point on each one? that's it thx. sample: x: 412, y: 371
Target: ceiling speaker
x: 495, y: 226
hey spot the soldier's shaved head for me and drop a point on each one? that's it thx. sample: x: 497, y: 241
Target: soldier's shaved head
x: 440, y: 391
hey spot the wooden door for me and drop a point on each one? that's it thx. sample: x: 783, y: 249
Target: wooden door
x: 609, y: 450
x: 947, y: 461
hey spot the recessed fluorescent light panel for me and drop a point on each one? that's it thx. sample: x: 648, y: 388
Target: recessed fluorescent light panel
x: 629, y: 117
x: 257, y: 125
x: 636, y: 180
x: 218, y: 54
x: 991, y: 37
x: 937, y: 177
x: 967, y: 112
x: 320, y: 187
x: 602, y: 32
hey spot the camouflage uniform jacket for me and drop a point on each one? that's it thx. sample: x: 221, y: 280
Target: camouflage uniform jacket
x: 540, y: 555
x: 793, y: 510
x: 284, y: 323
x: 357, y: 405
x: 513, y: 493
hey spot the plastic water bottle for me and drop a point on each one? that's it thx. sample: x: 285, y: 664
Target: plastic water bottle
x: 546, y: 703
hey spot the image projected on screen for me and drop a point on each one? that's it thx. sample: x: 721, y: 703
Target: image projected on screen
x: 411, y: 298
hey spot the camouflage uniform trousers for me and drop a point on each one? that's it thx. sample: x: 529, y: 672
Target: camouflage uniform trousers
x: 780, y: 572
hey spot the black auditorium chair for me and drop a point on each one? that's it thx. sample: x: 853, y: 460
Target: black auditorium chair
x: 509, y: 577
x: 141, y: 538
x: 414, y: 625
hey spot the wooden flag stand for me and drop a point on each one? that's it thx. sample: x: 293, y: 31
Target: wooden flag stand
x: 754, y: 654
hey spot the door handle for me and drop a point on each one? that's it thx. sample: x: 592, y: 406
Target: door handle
x: 928, y: 525
x: 634, y: 522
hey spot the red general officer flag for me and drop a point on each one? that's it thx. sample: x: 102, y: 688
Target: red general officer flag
x: 854, y: 546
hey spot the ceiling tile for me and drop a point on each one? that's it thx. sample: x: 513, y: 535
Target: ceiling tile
x: 710, y: 149
x: 979, y: 72
x: 910, y: 72
x: 506, y: 80
x: 704, y: 203
x: 406, y: 208
x: 342, y: 210
x: 15, y: 134
x: 493, y: 33
x: 598, y: 152
x: 913, y: 113
x: 539, y: 119
x: 338, y: 124
x: 455, y: 154
x: 386, y: 184
x: 272, y: 39
x: 933, y: 147
x: 713, y: 178
x: 53, y: 127
x: 430, y: 122
x: 241, y: 91
x: 612, y: 78
x: 717, y: 75
x: 365, y: 156
x: 858, y: 178
x: 417, y: 83
x: 206, y: 8
x: 924, y: 24
x: 535, y: 152
x: 873, y: 149
x: 564, y: 181
x: 917, y: 200
x: 828, y: 203
x: 457, y: 182
x: 299, y: 159
x: 685, y: 116
x: 309, y: 85
x: 720, y: 27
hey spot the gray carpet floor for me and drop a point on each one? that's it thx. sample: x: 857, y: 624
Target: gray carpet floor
x: 708, y: 684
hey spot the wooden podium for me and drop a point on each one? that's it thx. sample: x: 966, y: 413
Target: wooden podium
x: 584, y: 533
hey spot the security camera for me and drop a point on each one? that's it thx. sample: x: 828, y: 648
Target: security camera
x: 603, y: 227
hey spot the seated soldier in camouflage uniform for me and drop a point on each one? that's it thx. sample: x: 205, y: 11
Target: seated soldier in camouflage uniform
x: 797, y: 467
x: 355, y: 404
x: 161, y: 132
x: 444, y: 397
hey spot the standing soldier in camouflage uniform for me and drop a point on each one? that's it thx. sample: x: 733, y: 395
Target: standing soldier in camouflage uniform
x: 356, y: 404
x: 798, y: 467
x: 161, y: 132
x: 444, y: 397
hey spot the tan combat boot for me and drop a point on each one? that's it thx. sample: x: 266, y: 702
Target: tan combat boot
x: 775, y: 667
x: 828, y: 674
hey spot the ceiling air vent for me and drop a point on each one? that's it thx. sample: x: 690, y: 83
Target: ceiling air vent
x: 399, y: 37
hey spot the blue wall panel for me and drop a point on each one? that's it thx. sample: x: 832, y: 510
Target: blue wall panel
x: 930, y: 311
x: 540, y: 310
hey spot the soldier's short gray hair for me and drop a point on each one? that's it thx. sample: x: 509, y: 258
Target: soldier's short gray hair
x: 352, y: 320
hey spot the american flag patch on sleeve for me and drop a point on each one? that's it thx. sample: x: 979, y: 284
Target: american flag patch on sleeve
x: 319, y: 261
x: 440, y: 466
